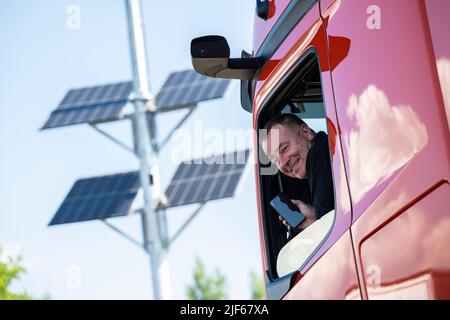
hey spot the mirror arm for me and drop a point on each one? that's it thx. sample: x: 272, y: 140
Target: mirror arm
x: 244, y: 63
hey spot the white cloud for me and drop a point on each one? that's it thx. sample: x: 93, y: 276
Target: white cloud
x: 386, y: 137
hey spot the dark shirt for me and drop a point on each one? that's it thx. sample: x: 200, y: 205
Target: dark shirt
x: 319, y: 175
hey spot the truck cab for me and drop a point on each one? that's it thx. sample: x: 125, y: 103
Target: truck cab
x: 375, y: 76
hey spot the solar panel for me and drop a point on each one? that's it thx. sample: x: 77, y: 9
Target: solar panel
x: 90, y: 105
x: 185, y: 88
x: 206, y: 179
x: 98, y: 198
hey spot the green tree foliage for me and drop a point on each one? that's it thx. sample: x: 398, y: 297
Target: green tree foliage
x: 207, y: 287
x: 257, y: 287
x: 10, y: 271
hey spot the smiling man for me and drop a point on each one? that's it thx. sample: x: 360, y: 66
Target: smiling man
x: 300, y: 153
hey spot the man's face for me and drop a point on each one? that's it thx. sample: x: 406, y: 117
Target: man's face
x: 290, y: 150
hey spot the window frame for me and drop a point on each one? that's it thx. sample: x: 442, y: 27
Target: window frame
x: 273, y: 103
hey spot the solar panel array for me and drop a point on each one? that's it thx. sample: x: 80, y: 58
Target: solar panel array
x: 206, y: 179
x: 98, y: 198
x: 188, y: 87
x: 90, y: 105
x: 112, y: 196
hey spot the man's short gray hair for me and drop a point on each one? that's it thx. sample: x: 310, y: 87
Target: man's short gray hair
x: 285, y: 119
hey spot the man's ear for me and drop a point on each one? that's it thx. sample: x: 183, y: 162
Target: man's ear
x: 306, y: 132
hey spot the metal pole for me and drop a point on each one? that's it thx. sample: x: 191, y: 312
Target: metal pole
x: 153, y: 232
x: 113, y: 139
x: 123, y: 234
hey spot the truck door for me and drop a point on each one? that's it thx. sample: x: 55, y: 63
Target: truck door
x: 395, y: 142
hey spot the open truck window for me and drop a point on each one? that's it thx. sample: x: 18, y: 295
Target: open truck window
x: 300, y: 94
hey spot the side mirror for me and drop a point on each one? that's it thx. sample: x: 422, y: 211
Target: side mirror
x: 211, y: 57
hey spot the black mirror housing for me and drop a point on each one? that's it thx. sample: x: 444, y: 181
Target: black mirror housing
x: 208, y: 47
x: 211, y: 57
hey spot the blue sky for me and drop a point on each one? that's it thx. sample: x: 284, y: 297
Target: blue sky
x: 41, y: 59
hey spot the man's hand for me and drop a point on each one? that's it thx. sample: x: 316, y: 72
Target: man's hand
x: 307, y: 211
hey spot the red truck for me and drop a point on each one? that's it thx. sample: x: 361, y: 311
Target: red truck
x: 375, y: 75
